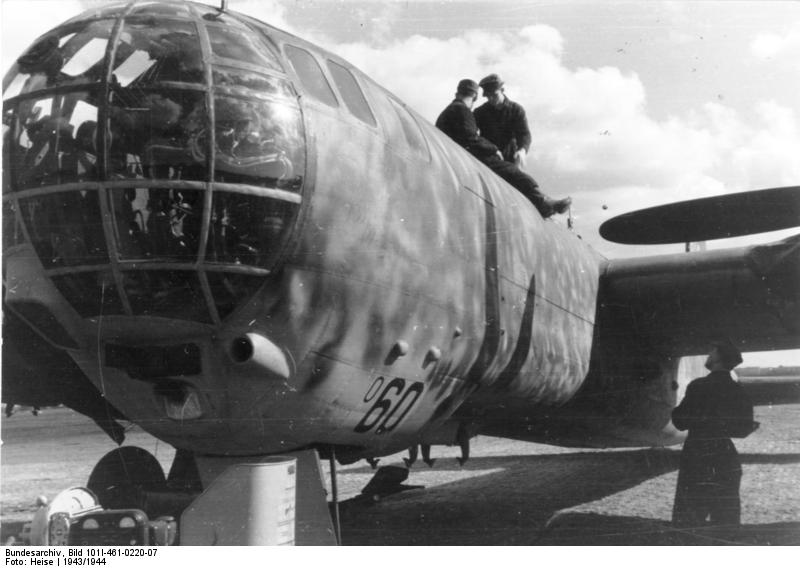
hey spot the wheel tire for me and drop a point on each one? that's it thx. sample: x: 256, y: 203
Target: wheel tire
x: 121, y: 475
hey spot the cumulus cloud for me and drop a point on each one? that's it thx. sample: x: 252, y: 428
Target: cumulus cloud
x: 271, y: 12
x: 376, y: 21
x: 771, y: 148
x: 588, y: 120
x: 594, y: 138
x: 424, y: 71
x: 770, y: 45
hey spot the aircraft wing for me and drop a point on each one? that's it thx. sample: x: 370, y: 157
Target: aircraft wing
x: 680, y: 303
x: 655, y: 316
x: 676, y: 304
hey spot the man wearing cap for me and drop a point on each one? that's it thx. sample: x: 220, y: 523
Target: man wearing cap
x: 714, y: 409
x: 458, y: 122
x: 502, y: 121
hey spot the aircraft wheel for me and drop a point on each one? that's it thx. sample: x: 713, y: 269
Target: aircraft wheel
x: 122, y: 474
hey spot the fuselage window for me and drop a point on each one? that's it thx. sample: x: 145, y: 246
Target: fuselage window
x: 71, y: 55
x: 151, y: 52
x: 311, y: 75
x: 258, y: 143
x: 411, y: 129
x: 241, y: 45
x: 351, y: 93
x: 52, y: 141
x: 157, y: 134
x: 387, y: 118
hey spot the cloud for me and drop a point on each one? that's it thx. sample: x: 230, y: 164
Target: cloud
x: 594, y: 138
x: 424, y: 71
x: 771, y: 150
x: 771, y: 45
x: 271, y: 12
x: 377, y: 21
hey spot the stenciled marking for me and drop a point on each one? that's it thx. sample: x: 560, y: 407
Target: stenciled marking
x: 395, y: 401
x: 373, y: 389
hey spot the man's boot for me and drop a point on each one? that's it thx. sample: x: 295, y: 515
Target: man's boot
x: 559, y: 205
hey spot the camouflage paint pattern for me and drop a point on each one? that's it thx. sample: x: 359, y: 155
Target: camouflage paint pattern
x: 412, y: 287
x: 398, y: 245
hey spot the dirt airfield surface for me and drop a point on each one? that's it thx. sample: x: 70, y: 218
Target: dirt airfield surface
x: 508, y: 493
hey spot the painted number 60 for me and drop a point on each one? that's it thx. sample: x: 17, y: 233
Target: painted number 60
x: 391, y: 406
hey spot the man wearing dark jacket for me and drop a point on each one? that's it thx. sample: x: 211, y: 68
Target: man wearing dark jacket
x: 458, y: 123
x: 714, y: 409
x: 503, y: 122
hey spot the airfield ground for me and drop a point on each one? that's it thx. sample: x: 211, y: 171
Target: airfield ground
x: 509, y: 493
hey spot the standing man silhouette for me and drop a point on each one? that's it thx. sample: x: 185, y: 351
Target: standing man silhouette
x: 714, y: 410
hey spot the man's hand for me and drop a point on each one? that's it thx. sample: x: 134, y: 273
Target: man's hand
x: 519, y: 157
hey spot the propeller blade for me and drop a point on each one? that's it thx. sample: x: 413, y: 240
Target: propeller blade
x: 719, y: 217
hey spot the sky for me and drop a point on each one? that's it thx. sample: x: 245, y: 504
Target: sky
x: 631, y: 104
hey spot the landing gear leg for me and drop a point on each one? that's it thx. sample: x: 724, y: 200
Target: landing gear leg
x: 335, y: 497
x: 463, y: 440
x: 412, y: 456
x: 426, y: 455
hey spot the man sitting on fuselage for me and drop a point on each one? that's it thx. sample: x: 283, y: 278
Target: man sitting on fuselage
x: 458, y: 123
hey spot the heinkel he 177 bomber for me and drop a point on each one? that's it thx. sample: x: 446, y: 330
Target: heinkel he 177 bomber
x: 243, y: 244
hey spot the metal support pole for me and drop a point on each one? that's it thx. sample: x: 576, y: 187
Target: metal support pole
x: 335, y: 496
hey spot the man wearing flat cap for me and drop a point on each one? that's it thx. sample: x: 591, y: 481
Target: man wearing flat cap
x: 714, y: 410
x: 503, y: 122
x: 458, y: 122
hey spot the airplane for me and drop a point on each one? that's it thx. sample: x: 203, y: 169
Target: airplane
x: 243, y: 244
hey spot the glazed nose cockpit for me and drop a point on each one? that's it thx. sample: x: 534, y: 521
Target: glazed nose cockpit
x: 154, y: 158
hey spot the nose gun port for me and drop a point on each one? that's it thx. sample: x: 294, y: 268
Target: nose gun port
x: 255, y: 349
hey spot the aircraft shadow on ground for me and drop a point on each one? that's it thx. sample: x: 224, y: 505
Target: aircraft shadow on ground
x: 592, y: 529
x: 516, y: 501
x: 513, y: 506
x: 479, y: 463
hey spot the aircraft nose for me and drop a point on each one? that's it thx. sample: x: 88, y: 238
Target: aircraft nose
x: 154, y: 158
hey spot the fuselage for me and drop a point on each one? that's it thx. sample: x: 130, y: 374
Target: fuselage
x: 264, y: 250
